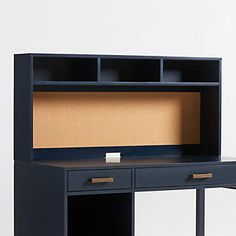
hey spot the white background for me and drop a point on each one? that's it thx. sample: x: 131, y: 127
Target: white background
x: 150, y: 27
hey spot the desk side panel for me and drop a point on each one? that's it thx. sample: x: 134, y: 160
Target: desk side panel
x: 23, y: 88
x: 40, y: 202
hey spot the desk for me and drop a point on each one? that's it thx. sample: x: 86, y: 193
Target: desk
x: 78, y: 206
x: 163, y: 114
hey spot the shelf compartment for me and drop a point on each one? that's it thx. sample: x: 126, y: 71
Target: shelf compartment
x: 171, y: 118
x: 130, y: 70
x: 190, y: 71
x: 102, y: 215
x: 51, y: 69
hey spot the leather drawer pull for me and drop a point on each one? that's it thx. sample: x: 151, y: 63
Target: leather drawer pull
x: 102, y: 180
x: 202, y: 176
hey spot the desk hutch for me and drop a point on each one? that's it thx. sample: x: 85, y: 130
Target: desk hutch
x: 163, y: 114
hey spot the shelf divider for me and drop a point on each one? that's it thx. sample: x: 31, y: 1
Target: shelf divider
x: 161, y: 70
x: 99, y: 69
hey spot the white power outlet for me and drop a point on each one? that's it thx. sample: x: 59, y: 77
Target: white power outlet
x: 113, y: 157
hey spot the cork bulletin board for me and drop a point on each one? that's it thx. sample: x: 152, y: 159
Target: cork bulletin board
x: 97, y: 119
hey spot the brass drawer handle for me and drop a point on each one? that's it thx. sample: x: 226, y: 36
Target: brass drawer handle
x: 202, y: 176
x: 102, y: 180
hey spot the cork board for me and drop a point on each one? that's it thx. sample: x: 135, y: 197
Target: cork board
x: 96, y: 119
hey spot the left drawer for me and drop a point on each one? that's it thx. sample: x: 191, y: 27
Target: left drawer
x: 87, y: 180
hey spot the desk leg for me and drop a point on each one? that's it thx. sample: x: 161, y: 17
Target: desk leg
x: 200, y: 212
x: 133, y: 214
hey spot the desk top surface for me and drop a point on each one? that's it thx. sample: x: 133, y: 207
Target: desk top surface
x: 138, y: 162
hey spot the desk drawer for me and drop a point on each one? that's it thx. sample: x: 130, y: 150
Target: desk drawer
x: 86, y: 180
x: 185, y: 176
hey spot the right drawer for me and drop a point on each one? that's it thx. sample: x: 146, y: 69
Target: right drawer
x: 160, y: 177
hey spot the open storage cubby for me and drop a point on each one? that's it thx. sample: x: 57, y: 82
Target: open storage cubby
x: 130, y: 70
x: 102, y: 119
x: 101, y: 215
x: 61, y: 69
x: 173, y: 124
x: 190, y: 70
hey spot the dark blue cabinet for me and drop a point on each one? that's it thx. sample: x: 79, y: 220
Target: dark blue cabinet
x: 67, y: 189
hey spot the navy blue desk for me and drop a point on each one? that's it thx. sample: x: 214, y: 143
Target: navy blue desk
x: 69, y: 190
x: 62, y: 186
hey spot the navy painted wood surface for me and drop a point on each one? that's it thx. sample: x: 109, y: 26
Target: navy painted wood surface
x: 52, y: 194
x: 40, y: 200
x: 200, y: 212
x: 141, y: 175
x: 23, y: 92
x: 182, y: 176
x: 127, y: 152
x: 66, y: 72
x: 81, y: 180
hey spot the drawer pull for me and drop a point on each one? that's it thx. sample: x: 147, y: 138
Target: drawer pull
x: 101, y: 180
x: 202, y: 176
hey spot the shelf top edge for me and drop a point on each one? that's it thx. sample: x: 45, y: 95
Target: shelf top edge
x: 127, y: 83
x: 118, y: 56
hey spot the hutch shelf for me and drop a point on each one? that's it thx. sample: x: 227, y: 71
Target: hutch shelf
x: 163, y: 114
